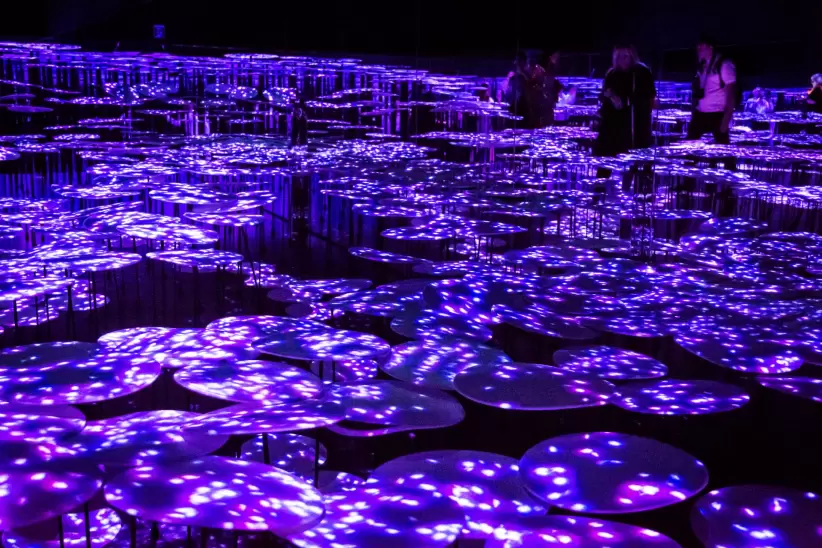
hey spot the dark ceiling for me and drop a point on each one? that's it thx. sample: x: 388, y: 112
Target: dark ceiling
x: 768, y: 40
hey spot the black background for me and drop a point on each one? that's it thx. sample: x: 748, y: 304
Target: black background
x: 773, y: 43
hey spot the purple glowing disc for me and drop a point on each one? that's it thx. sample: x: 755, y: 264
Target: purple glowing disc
x: 268, y: 280
x: 104, y: 527
x: 384, y: 301
x: 225, y: 219
x: 573, y: 532
x: 171, y: 232
x: 567, y: 302
x: 28, y: 109
x: 342, y: 371
x: 191, y: 196
x: 290, y: 452
x: 46, y: 353
x: 178, y: 347
x: 748, y: 348
x: 134, y: 339
x: 202, y: 258
x: 142, y: 438
x: 329, y: 344
x: 758, y: 516
x: 94, y: 192
x: 371, y: 516
x: 289, y: 295
x: 266, y: 419
x: 432, y: 324
x: 313, y: 311
x: 531, y: 387
x: 218, y: 493
x: 772, y: 310
x: 36, y: 424
x: 609, y: 362
x: 7, y: 154
x: 102, y: 377
x: 545, y: 262
x: 50, y: 479
x: 610, y: 473
x: 251, y: 328
x: 643, y: 323
x: 470, y: 296
x: 418, y: 234
x: 608, y: 282
x: 803, y: 387
x: 10, y: 233
x: 678, y: 397
x: 331, y: 481
x: 372, y: 210
x: 336, y: 286
x: 539, y: 320
x: 482, y: 484
x: 375, y: 255
x: 97, y: 262
x: 435, y: 362
x: 807, y: 340
x: 250, y: 381
x: 401, y: 405
x: 351, y: 429
x: 489, y: 228
x: 732, y: 226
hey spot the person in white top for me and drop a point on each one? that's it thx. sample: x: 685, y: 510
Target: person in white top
x: 759, y: 103
x: 714, y: 94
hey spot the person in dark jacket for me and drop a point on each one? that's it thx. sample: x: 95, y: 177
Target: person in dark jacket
x: 628, y: 94
x: 514, y: 89
x: 299, y: 124
x: 544, y: 89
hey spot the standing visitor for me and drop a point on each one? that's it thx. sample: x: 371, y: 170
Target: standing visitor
x: 514, y: 90
x: 759, y: 103
x: 814, y: 99
x: 627, y: 103
x: 485, y: 99
x: 714, y: 90
x: 299, y: 124
x: 545, y: 89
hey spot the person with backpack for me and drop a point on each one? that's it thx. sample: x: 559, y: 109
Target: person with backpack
x: 714, y: 94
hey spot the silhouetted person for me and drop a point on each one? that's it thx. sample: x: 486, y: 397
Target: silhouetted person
x: 714, y: 91
x: 627, y: 100
x: 514, y: 91
x: 484, y: 123
x: 567, y: 96
x: 759, y: 103
x: 814, y: 100
x: 299, y: 124
x: 544, y: 90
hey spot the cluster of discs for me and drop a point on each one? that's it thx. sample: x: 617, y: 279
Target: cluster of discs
x: 467, y: 306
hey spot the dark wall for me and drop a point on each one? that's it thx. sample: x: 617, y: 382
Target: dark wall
x: 68, y: 17
x: 773, y: 40
x: 24, y: 19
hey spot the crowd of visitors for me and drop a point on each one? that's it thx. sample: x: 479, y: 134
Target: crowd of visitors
x: 628, y: 97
